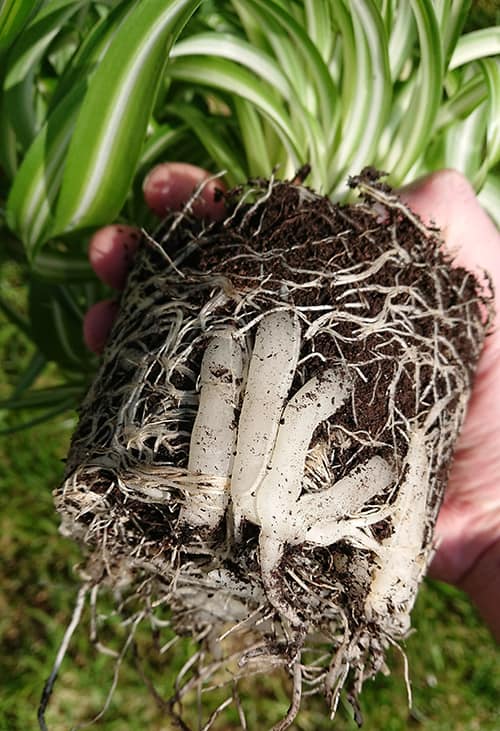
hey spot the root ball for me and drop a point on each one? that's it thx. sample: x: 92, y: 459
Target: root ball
x: 267, y: 441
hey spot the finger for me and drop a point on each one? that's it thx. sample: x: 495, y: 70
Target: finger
x: 170, y: 185
x: 447, y: 200
x: 111, y: 251
x: 97, y: 324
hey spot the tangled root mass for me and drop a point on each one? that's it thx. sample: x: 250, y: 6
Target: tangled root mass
x: 267, y: 442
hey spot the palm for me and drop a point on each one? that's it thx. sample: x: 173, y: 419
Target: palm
x: 469, y: 521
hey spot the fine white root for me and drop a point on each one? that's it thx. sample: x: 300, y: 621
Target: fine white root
x: 287, y: 721
x: 270, y: 375
x: 213, y: 437
x: 63, y: 648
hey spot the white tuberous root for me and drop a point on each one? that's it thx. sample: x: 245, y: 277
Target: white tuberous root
x: 213, y: 438
x: 259, y: 459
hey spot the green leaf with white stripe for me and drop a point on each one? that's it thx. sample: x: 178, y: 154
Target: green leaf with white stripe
x: 465, y: 143
x: 91, y: 50
x: 296, y: 44
x: 162, y: 139
x: 368, y: 111
x: 468, y: 96
x: 34, y: 193
x: 413, y: 134
x: 476, y: 45
x: 491, y: 70
x: 235, y: 49
x: 32, y: 198
x: 319, y: 26
x: 20, y: 88
x: 222, y: 74
x: 14, y: 14
x: 250, y: 124
x: 451, y: 22
x: 111, y: 128
x: 8, y: 143
x: 273, y: 87
x: 56, y: 314
x: 402, y: 39
x: 64, y: 266
x: 214, y: 137
x: 489, y: 196
x: 36, y: 38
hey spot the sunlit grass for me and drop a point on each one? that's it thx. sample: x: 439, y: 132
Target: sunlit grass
x: 455, y: 667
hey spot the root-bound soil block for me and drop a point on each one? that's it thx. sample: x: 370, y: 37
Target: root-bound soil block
x: 267, y: 442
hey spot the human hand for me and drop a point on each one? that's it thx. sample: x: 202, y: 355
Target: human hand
x: 468, y: 528
x: 111, y: 251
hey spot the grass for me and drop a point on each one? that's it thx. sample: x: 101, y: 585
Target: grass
x: 454, y: 665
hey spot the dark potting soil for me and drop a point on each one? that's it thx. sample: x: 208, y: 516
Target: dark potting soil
x: 402, y: 312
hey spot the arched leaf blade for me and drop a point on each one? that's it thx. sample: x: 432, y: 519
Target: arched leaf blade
x: 469, y: 95
x: 41, y: 398
x: 452, y: 23
x: 489, y: 197
x: 33, y: 194
x: 29, y: 375
x: 22, y: 324
x: 30, y: 207
x: 21, y: 98
x: 222, y: 153
x: 411, y: 137
x: 162, y: 139
x: 56, y: 315
x: 111, y: 127
x: 370, y: 105
x: 14, y: 14
x: 36, y: 37
x: 235, y: 49
x: 64, y: 266
x: 319, y: 26
x: 222, y: 74
x: 402, y: 39
x: 491, y: 70
x: 254, y: 142
x: 307, y: 55
x: 62, y: 407
x: 464, y: 143
x: 8, y: 143
x: 91, y: 51
x: 476, y: 45
x: 273, y: 83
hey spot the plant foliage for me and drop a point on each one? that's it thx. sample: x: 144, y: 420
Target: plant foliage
x: 92, y: 93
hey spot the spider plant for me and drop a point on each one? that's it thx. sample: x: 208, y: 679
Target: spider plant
x: 180, y: 447
x: 94, y: 93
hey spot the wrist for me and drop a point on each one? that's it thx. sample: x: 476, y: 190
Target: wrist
x: 482, y: 583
